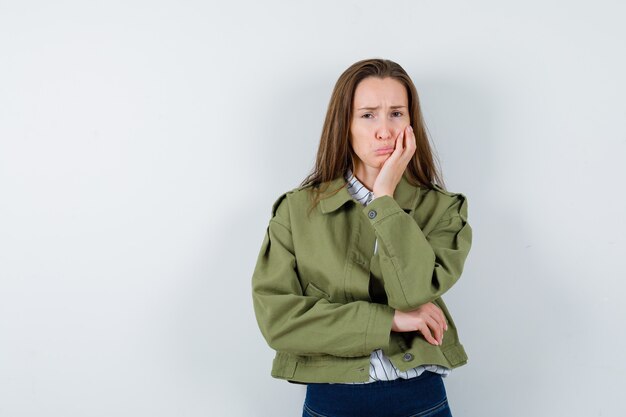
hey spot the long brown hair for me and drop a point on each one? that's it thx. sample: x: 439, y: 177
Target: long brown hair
x: 335, y: 155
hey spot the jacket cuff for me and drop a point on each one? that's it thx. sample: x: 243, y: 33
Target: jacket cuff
x: 378, y: 330
x: 380, y: 208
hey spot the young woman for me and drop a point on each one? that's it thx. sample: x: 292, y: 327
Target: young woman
x: 348, y: 282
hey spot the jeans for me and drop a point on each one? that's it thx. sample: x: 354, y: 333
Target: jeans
x: 422, y: 396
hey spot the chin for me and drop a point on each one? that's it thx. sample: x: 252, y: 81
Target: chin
x: 376, y: 164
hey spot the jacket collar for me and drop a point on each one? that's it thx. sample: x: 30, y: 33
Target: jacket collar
x: 406, y: 195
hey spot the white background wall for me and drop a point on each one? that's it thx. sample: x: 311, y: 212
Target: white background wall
x: 142, y: 144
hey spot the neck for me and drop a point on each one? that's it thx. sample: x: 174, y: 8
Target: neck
x: 367, y: 175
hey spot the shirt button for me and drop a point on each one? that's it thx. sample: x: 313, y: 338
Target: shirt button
x: 372, y: 214
x: 407, y: 357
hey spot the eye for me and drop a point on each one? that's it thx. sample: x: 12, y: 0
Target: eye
x: 397, y: 113
x: 367, y: 114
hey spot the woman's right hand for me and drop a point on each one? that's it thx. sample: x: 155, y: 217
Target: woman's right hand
x: 427, y: 319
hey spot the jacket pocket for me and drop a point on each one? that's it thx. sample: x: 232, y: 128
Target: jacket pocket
x: 314, y: 291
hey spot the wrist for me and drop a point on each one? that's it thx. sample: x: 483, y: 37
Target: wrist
x: 377, y: 194
x: 396, y: 318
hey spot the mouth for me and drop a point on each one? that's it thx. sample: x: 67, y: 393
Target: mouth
x: 384, y: 151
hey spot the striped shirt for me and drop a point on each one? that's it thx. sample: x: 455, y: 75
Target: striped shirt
x: 381, y: 368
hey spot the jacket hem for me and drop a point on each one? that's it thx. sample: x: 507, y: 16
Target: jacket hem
x: 333, y: 369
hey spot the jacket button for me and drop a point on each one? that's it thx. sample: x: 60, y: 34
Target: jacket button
x: 407, y: 357
x: 372, y: 214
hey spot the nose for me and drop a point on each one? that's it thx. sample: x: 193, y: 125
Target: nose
x: 384, y: 131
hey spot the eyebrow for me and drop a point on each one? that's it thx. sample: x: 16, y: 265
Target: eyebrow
x: 377, y: 107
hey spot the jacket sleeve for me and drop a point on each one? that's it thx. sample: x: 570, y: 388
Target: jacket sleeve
x: 416, y: 268
x: 311, y: 325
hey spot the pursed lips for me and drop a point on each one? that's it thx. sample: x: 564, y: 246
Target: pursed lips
x: 384, y: 149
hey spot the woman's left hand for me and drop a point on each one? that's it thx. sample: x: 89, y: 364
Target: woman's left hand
x: 393, y: 168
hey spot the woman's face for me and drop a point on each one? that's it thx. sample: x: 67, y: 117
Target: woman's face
x: 379, y: 113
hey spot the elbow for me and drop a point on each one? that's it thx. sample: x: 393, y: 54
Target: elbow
x: 278, y: 334
x: 278, y: 342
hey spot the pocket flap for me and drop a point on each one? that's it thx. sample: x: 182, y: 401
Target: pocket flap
x: 314, y: 291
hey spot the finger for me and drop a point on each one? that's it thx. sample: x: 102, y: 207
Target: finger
x: 439, y: 322
x: 400, y: 134
x: 440, y: 333
x: 409, y: 130
x: 411, y: 141
x: 442, y: 319
x: 438, y: 315
x: 439, y: 319
x: 435, y: 309
x: 406, y: 144
x: 400, y: 141
x: 435, y: 329
x: 428, y: 335
x: 398, y: 147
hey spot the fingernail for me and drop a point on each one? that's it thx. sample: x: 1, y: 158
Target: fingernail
x: 410, y: 128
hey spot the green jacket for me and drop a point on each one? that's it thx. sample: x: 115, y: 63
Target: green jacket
x: 323, y: 301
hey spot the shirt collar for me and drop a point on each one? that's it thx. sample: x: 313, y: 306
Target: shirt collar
x: 357, y: 189
x: 406, y: 195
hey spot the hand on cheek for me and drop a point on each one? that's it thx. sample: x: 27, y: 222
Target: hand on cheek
x: 393, y: 168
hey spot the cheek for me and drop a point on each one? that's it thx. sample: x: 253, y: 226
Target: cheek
x: 358, y: 142
x: 359, y: 132
x: 356, y: 136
